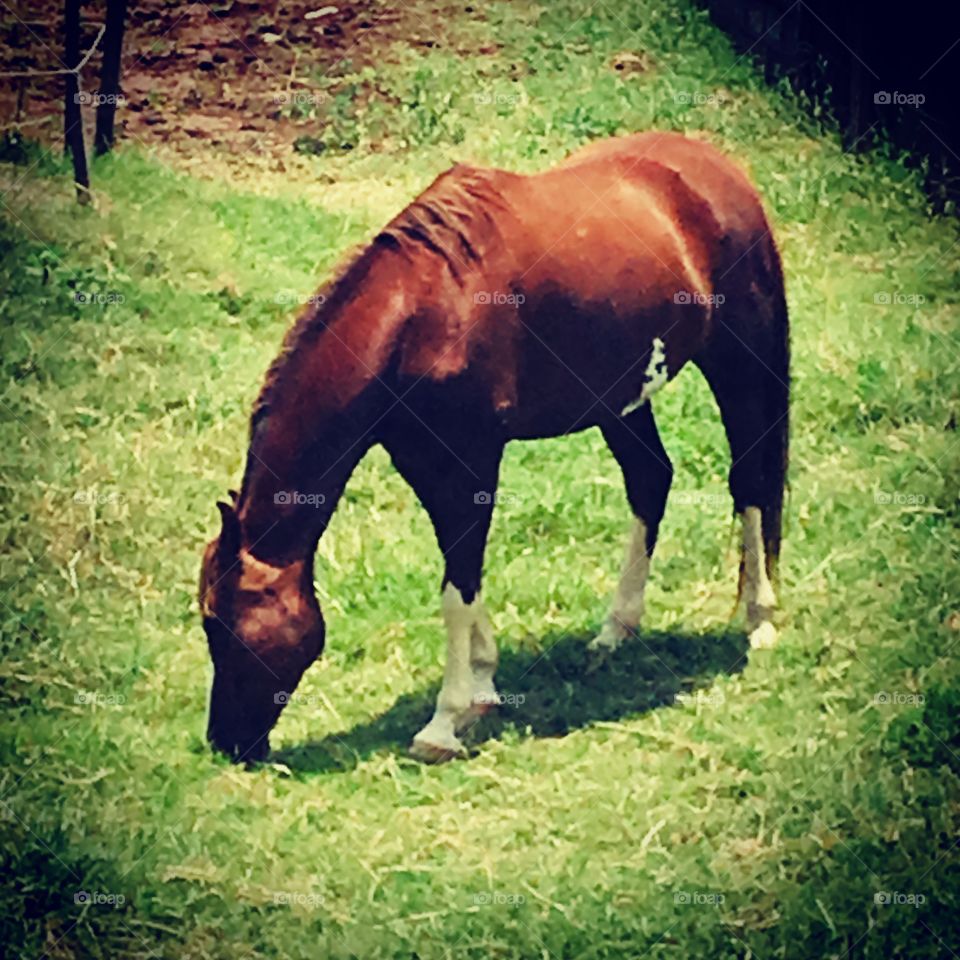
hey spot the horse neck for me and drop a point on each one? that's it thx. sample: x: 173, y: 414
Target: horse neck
x: 325, y: 398
x: 284, y: 513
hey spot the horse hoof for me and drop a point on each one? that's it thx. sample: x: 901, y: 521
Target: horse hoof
x: 608, y: 639
x: 428, y: 752
x: 764, y: 636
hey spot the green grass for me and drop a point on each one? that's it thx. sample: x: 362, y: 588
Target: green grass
x: 758, y: 814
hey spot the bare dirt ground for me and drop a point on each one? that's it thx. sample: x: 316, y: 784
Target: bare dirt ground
x: 245, y: 75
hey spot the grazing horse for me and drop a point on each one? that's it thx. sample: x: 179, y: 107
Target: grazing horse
x: 496, y: 307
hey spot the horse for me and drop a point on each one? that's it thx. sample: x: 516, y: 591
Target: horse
x: 499, y: 306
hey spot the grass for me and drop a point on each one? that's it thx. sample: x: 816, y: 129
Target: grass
x: 685, y: 800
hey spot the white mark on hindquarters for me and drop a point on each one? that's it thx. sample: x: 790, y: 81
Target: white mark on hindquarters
x: 654, y: 378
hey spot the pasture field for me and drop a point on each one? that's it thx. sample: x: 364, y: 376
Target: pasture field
x: 689, y: 798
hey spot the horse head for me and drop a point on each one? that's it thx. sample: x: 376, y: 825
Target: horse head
x: 264, y: 628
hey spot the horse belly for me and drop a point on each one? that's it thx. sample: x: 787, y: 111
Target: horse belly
x: 578, y: 368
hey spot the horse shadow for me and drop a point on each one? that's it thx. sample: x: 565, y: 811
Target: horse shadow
x: 547, y: 692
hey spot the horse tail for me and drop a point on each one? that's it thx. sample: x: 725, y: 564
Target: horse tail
x: 775, y: 453
x: 746, y: 361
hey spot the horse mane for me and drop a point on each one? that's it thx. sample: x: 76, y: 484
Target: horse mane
x: 453, y: 219
x: 312, y: 319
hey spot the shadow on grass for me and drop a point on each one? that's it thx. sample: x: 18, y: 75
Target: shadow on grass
x: 548, y: 692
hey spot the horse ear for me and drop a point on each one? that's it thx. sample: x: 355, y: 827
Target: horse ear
x: 229, y: 543
x: 234, y: 496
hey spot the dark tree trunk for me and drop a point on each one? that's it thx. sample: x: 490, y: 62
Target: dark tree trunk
x: 110, y: 75
x: 72, y: 115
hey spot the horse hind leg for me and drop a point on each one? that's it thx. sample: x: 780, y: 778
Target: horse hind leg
x: 747, y: 370
x: 756, y: 588
x: 647, y: 473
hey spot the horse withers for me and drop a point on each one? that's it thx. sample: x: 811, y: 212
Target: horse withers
x: 501, y: 307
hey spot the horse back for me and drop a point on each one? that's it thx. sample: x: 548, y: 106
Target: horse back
x: 733, y: 200
x: 529, y: 296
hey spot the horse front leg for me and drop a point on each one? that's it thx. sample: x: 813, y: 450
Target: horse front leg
x: 467, y: 691
x: 457, y: 487
x: 484, y: 657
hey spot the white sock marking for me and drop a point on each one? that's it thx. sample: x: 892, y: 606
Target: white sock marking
x: 468, y: 672
x: 483, y: 657
x: 626, y: 612
x: 757, y: 590
x: 654, y: 378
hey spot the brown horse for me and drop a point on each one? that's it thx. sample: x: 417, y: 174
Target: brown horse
x: 500, y: 307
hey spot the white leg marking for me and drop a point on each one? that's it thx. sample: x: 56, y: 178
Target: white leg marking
x: 626, y: 611
x: 467, y: 676
x: 655, y: 377
x: 757, y: 591
x: 483, y: 660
